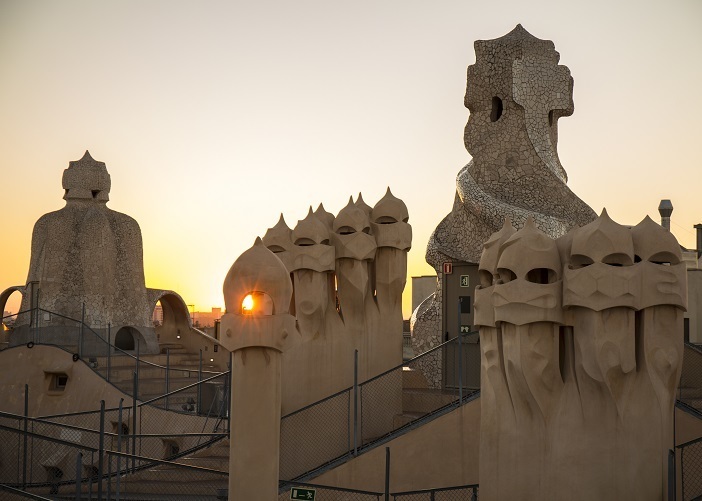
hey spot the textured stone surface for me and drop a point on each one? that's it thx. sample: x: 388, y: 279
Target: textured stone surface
x: 516, y: 92
x: 87, y: 255
x: 580, y: 361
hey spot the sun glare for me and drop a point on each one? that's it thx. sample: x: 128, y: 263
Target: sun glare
x: 247, y: 304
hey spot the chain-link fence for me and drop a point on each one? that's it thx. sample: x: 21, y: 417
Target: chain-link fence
x: 57, y: 459
x: 325, y: 493
x: 462, y: 493
x: 419, y: 387
x: 315, y: 435
x: 691, y: 466
x: 358, y: 417
x: 690, y: 388
x: 148, y: 478
x: 8, y: 493
x: 163, y: 374
x: 46, y: 465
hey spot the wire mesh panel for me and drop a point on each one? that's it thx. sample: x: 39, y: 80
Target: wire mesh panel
x: 381, y: 400
x: 419, y: 387
x: 47, y: 465
x: 463, y: 357
x: 8, y: 493
x: 462, y: 493
x: 315, y: 435
x: 690, y: 388
x: 691, y: 465
x: 150, y: 479
x: 325, y: 493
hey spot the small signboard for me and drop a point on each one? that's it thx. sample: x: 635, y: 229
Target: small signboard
x: 465, y: 281
x: 301, y: 493
x: 465, y: 329
x: 448, y: 268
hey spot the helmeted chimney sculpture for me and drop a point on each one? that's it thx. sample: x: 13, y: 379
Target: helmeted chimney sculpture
x: 256, y: 328
x: 582, y: 345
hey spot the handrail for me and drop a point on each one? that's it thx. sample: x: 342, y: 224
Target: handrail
x: 50, y: 439
x: 163, y: 461
x: 183, y: 388
x: 411, y: 360
x: 350, y: 388
x: 22, y: 493
x: 438, y: 489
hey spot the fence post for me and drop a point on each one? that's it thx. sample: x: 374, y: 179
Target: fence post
x: 138, y: 349
x: 199, y: 386
x: 101, y: 449
x: 387, y: 474
x: 432, y: 496
x: 474, y: 495
x: 119, y: 445
x: 135, y: 389
x: 109, y: 351
x: 168, y: 372
x: 79, y: 474
x: 355, y: 402
x: 672, y: 478
x: 80, y: 335
x: 460, y: 354
x: 229, y: 398
x: 24, y: 455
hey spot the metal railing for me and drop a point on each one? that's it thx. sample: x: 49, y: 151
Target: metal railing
x: 367, y: 414
x: 691, y: 469
x: 690, y: 387
x: 460, y: 493
x: 56, y: 458
x: 118, y: 366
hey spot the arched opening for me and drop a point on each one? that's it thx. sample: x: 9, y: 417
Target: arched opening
x: 170, y: 317
x: 125, y: 338
x: 170, y: 449
x: 10, y: 303
x: 157, y: 314
x: 496, y: 111
x: 257, y: 303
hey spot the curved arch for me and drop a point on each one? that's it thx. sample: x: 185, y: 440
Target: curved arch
x: 176, y: 317
x: 175, y: 311
x: 5, y: 295
x: 125, y: 338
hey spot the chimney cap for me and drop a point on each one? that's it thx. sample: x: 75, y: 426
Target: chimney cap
x: 665, y: 208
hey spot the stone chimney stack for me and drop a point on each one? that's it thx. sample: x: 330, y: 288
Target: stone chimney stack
x: 665, y: 209
x: 698, y: 227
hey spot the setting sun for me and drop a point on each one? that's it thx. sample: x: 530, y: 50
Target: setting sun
x: 247, y: 304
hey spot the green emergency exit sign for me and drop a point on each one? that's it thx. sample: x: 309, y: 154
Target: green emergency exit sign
x: 300, y: 493
x: 465, y: 281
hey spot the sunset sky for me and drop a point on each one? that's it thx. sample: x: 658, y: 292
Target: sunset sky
x: 214, y: 117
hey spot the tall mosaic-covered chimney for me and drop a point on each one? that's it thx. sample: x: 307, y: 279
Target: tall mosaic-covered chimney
x: 665, y: 209
x: 698, y: 227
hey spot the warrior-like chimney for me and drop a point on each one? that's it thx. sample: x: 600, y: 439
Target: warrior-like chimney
x: 665, y: 209
x: 698, y: 227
